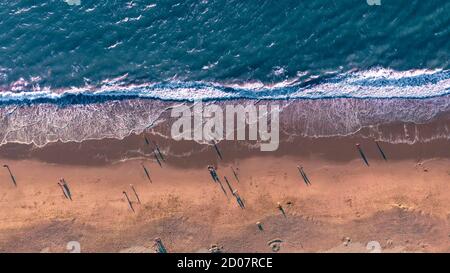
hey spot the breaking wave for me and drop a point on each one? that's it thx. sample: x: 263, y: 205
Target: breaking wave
x: 328, y: 105
x: 373, y: 84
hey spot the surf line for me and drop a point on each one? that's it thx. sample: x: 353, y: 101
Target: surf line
x: 206, y: 123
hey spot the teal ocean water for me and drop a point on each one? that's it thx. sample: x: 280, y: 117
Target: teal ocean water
x: 63, y: 62
x: 223, y: 49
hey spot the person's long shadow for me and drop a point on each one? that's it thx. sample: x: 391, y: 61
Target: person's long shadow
x: 12, y: 176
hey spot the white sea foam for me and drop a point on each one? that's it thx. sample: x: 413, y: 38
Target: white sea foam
x: 41, y: 115
x: 375, y: 83
x: 73, y: 2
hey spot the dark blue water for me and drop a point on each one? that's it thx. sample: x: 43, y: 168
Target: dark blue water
x: 50, y: 44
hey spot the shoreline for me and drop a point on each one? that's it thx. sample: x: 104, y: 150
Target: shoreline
x: 43, y: 124
x: 108, y: 151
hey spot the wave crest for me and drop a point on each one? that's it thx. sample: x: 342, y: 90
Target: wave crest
x: 377, y: 83
x: 355, y: 100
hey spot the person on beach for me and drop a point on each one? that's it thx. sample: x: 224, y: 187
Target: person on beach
x: 147, y: 173
x: 135, y: 193
x: 13, y: 179
x: 213, y: 173
x: 304, y: 176
x: 159, y: 246
x: 259, y: 225
x: 158, y: 150
x: 361, y: 153
x: 146, y: 140
x: 239, y: 199
x: 157, y: 158
x: 281, y: 209
x: 65, y: 188
x: 128, y: 200
x: 210, y: 169
x: 235, y: 174
x: 381, y: 150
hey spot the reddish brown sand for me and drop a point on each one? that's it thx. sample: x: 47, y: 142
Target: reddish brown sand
x: 402, y: 203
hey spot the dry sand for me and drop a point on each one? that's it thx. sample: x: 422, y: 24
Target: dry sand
x: 402, y: 203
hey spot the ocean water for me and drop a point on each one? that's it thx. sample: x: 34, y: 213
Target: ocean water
x: 54, y: 45
x: 62, y: 53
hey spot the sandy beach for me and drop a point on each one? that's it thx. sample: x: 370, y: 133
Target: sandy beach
x: 402, y: 203
x: 224, y: 126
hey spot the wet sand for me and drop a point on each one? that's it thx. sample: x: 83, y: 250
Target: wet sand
x: 402, y: 203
